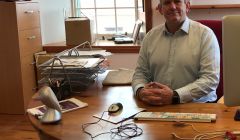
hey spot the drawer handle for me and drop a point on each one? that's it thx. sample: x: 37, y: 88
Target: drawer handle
x: 31, y: 37
x: 29, y: 12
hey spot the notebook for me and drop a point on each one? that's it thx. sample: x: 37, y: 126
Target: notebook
x: 119, y: 77
x: 123, y: 40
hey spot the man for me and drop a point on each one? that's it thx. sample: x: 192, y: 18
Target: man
x: 179, y: 61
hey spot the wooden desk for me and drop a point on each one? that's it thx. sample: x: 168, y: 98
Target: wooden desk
x: 104, y: 44
x: 99, y: 98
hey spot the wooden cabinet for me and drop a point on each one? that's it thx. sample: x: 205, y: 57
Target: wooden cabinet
x: 20, y: 38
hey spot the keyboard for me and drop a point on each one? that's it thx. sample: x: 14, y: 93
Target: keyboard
x: 173, y: 116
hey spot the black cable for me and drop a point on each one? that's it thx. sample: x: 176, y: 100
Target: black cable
x: 124, y: 131
x: 84, y: 126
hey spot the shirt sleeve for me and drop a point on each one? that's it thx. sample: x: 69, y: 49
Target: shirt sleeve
x: 142, y: 74
x: 209, y: 73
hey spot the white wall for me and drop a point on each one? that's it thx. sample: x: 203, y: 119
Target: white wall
x: 157, y: 18
x: 200, y: 13
x: 52, y: 20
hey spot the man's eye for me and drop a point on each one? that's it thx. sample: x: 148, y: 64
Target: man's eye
x: 178, y: 1
x: 166, y: 2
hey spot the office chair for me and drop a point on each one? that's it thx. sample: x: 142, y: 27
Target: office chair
x: 216, y: 26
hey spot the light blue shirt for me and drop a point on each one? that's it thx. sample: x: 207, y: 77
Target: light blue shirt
x: 187, y: 61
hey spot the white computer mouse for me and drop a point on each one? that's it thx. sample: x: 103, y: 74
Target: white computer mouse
x: 115, y: 107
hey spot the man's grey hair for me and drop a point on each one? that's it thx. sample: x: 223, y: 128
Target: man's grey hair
x: 161, y: 1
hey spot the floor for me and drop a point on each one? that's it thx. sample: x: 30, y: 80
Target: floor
x: 16, y: 127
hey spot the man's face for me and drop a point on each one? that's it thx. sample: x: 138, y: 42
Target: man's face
x: 174, y: 11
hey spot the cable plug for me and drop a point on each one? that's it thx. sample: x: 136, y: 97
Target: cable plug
x: 230, y: 135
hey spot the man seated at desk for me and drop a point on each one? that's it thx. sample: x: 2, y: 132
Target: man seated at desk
x: 181, y: 57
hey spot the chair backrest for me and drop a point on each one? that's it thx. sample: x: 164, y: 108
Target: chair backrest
x: 216, y: 26
x: 136, y: 30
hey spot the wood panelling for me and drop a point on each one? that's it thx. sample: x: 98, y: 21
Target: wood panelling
x: 148, y: 14
x: 17, y: 73
x: 16, y: 127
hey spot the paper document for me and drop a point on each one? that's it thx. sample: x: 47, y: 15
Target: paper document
x: 92, y: 52
x: 66, y: 106
x: 77, y: 62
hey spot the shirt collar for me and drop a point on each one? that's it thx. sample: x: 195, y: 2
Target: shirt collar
x: 184, y: 27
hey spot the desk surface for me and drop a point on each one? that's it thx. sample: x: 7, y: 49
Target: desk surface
x: 104, y: 44
x: 99, y: 98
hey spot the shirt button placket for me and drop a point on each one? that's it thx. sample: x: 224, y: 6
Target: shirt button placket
x: 171, y: 59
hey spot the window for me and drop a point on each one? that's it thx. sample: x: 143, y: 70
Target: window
x: 109, y: 16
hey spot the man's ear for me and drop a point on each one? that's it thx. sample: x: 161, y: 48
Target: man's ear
x: 188, y: 6
x: 159, y: 8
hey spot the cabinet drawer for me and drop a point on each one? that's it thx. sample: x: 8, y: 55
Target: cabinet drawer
x: 28, y: 15
x: 28, y: 78
x: 29, y: 42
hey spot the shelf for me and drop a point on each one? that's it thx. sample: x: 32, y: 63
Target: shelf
x: 225, y: 6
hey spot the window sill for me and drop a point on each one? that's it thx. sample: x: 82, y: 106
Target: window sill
x: 103, y: 44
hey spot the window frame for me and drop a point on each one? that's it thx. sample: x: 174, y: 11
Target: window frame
x: 136, y: 9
